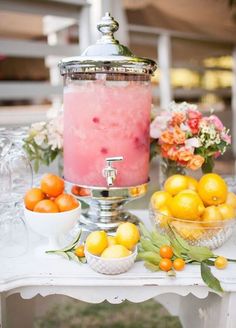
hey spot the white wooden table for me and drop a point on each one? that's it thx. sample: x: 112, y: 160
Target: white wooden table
x: 186, y: 295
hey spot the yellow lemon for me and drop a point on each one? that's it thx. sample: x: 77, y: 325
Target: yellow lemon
x: 186, y: 206
x: 227, y: 211
x: 192, y: 183
x: 111, y: 240
x: 211, y: 216
x: 212, y: 189
x: 190, y: 191
x: 115, y: 251
x: 175, y: 184
x: 127, y: 234
x: 231, y: 199
x: 189, y: 230
x: 96, y: 242
x: 159, y: 199
x: 163, y: 217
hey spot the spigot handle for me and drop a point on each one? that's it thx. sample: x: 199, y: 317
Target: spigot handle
x: 110, y: 172
x: 114, y: 159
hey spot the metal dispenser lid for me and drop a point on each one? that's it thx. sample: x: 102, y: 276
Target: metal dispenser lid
x: 107, y: 55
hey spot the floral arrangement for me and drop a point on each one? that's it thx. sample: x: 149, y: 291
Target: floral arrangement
x: 45, y: 139
x: 182, y: 135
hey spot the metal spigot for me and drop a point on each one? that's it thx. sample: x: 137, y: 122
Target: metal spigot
x: 110, y: 172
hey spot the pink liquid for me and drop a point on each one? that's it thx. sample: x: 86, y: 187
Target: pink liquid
x: 105, y: 119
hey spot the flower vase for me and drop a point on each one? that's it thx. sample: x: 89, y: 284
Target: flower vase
x: 168, y: 168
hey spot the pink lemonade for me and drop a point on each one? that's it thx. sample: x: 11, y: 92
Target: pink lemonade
x: 105, y: 119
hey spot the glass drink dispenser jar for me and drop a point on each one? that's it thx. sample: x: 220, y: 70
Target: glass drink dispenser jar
x: 107, y: 103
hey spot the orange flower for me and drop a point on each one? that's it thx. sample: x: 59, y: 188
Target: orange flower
x: 164, y: 150
x: 179, y: 136
x: 167, y: 137
x: 196, y: 162
x: 177, y: 119
x: 173, y: 154
x: 184, y: 154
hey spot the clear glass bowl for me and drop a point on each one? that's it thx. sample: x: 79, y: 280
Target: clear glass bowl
x: 196, y: 233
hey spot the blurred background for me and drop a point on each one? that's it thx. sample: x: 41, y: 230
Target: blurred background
x: 194, y: 43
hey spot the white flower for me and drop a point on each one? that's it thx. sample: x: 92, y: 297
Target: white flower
x: 55, y: 133
x: 193, y: 142
x: 159, y: 124
x: 181, y: 107
x: 39, y: 126
x: 40, y: 138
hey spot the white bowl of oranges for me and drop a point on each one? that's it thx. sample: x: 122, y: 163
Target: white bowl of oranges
x: 49, y: 211
x: 112, y: 254
x: 202, y: 212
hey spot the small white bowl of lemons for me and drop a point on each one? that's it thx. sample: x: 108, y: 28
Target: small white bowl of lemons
x: 112, y: 254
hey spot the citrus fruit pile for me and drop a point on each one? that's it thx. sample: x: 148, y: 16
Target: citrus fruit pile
x: 99, y: 243
x: 196, y: 204
x: 50, y: 196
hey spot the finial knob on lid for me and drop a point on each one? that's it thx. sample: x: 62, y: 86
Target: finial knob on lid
x: 108, y: 26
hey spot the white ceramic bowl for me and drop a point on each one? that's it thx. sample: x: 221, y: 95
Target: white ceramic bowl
x: 52, y: 225
x: 110, y: 266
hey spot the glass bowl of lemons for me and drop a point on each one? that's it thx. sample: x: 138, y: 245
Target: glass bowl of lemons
x: 201, y: 212
x: 112, y: 254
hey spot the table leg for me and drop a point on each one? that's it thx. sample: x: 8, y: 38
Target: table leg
x: 2, y: 310
x: 212, y: 312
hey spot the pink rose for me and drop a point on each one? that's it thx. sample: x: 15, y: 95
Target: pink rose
x: 226, y: 138
x: 217, y: 122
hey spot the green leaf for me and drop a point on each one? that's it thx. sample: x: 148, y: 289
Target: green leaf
x: 73, y: 257
x: 159, y: 239
x: 82, y: 260
x: 185, y: 246
x: 147, y: 245
x: 144, y: 231
x: 73, y: 244
x: 200, y: 254
x: 209, y: 262
x: 151, y: 257
x: 177, y: 248
x: 63, y: 254
x: 210, y: 280
x: 151, y: 267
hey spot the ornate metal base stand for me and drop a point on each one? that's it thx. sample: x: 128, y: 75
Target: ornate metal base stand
x: 106, y: 210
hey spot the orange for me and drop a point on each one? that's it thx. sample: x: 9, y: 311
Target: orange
x: 46, y: 206
x: 175, y: 184
x: 79, y: 251
x: 66, y: 202
x: 178, y: 264
x: 212, y: 189
x: 192, y: 183
x: 159, y: 199
x: 211, y: 216
x: 186, y: 206
x: 166, y: 252
x: 221, y: 262
x: 227, y: 211
x: 127, y: 234
x: 165, y: 264
x: 52, y: 185
x: 96, y: 242
x: 231, y: 199
x: 32, y: 197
